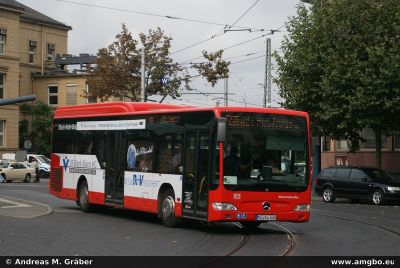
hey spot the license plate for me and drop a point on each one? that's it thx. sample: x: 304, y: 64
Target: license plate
x: 266, y: 218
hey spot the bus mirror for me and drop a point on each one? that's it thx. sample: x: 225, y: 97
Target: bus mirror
x: 221, y: 129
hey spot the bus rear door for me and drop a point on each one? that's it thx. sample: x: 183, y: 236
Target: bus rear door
x: 115, y: 166
x: 197, y: 155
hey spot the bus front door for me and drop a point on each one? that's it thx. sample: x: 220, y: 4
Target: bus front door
x: 114, y: 179
x: 195, y: 174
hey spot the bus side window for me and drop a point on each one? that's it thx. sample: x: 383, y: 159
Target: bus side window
x: 140, y: 155
x: 99, y: 148
x: 85, y: 142
x: 165, y: 157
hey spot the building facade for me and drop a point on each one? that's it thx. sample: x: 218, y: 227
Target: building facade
x: 29, y: 44
x: 337, y: 152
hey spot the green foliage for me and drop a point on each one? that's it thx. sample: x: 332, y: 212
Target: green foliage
x: 340, y: 64
x: 42, y: 116
x: 118, y: 68
x: 215, y: 69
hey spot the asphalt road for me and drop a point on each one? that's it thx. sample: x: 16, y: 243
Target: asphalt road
x: 32, y: 222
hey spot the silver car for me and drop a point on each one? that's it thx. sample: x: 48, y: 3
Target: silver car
x: 10, y: 171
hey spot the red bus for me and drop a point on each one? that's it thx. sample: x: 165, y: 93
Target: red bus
x: 220, y: 164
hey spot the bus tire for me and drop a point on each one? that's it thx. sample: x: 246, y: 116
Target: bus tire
x: 167, y: 208
x: 83, y: 197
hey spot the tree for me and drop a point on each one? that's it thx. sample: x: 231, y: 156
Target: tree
x: 339, y: 62
x: 118, y: 68
x: 42, y: 116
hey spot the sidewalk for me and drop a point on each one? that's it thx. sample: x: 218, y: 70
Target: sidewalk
x: 19, y: 208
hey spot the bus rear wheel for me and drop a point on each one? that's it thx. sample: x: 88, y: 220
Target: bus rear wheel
x: 168, y: 217
x: 83, y: 197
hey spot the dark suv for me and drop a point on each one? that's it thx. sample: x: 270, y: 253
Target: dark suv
x: 357, y: 183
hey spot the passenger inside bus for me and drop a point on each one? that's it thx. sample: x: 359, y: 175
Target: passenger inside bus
x: 231, y: 162
x: 267, y: 159
x: 177, y: 158
x: 245, y: 161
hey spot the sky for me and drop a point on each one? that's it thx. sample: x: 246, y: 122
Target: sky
x: 95, y: 23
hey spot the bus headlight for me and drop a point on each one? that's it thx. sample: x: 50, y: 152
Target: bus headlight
x: 302, y: 207
x: 223, y: 206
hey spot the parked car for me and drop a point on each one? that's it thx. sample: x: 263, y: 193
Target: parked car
x: 43, y: 162
x: 11, y: 171
x: 357, y: 183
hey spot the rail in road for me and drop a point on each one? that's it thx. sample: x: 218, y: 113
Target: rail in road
x: 393, y: 232
x: 245, y: 237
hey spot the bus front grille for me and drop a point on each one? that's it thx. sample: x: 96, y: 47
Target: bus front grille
x: 56, y: 179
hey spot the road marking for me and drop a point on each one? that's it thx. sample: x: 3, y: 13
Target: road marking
x: 23, y: 185
x: 35, y: 209
x: 16, y: 204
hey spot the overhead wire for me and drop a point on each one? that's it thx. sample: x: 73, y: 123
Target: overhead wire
x: 236, y: 45
x: 221, y: 32
x: 157, y: 15
x: 247, y: 59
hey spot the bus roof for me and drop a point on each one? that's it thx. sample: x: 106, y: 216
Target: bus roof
x: 134, y: 108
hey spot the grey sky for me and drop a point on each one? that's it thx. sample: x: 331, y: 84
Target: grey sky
x: 94, y: 28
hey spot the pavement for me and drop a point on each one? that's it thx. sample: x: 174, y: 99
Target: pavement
x: 20, y: 208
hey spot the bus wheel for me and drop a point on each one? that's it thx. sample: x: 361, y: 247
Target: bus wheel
x: 83, y: 196
x: 168, y: 217
x: 27, y: 178
x: 250, y: 225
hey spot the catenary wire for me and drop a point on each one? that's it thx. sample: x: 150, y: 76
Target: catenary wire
x: 218, y: 33
x: 157, y: 15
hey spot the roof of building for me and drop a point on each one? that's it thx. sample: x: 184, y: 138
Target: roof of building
x: 30, y: 15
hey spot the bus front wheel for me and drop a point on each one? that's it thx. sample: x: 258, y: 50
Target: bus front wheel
x: 83, y: 196
x: 168, y: 217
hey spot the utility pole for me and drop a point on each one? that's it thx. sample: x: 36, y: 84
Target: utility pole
x: 226, y: 91
x: 143, y: 90
x: 267, y: 81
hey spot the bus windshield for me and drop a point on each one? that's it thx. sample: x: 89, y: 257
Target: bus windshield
x: 265, y: 152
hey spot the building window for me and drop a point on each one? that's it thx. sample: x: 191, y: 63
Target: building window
x: 341, y: 160
x: 90, y: 99
x: 369, y: 136
x: 2, y: 128
x: 342, y: 145
x: 51, y: 48
x: 32, y: 51
x: 3, y: 35
x: 72, y: 94
x: 53, y: 95
x: 2, y: 86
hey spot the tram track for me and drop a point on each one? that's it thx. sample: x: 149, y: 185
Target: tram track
x: 293, y: 241
x: 392, y: 232
x: 245, y: 237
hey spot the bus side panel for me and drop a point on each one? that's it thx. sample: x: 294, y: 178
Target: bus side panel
x: 141, y: 190
x: 73, y: 167
x: 56, y: 182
